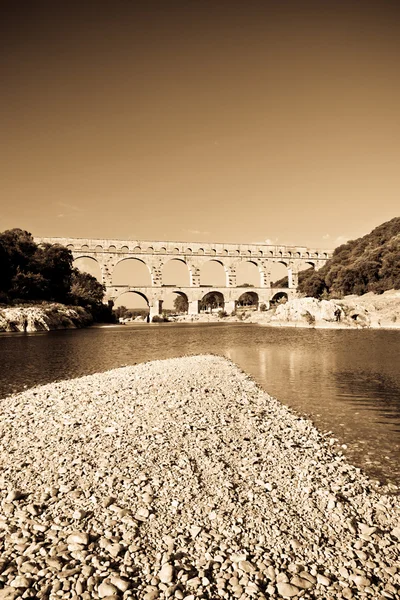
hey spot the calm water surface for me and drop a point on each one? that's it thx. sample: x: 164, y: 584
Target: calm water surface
x: 348, y: 382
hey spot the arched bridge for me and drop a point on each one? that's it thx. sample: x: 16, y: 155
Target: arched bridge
x: 109, y: 253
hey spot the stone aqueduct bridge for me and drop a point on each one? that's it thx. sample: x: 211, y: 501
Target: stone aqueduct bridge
x: 108, y: 253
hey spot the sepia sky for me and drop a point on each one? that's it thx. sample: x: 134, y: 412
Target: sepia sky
x: 211, y: 120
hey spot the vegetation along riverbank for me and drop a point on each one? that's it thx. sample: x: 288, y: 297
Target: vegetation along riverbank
x: 41, y: 290
x: 182, y: 478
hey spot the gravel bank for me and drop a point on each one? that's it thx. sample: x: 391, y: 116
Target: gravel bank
x: 182, y: 479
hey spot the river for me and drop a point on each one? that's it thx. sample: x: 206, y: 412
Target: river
x: 346, y: 381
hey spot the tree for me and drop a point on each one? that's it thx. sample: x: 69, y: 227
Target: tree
x: 248, y: 299
x: 33, y: 272
x: 17, y: 250
x: 314, y: 285
x: 181, y: 304
x: 211, y: 300
x: 54, y: 262
x: 86, y: 290
x: 121, y: 312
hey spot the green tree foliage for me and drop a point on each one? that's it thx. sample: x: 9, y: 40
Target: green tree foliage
x: 181, y: 304
x: 368, y: 264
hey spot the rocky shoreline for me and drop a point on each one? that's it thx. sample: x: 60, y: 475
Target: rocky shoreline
x: 45, y: 316
x: 183, y: 479
x: 370, y: 311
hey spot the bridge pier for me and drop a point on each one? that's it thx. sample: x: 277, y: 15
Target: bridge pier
x: 193, y: 308
x: 155, y: 308
x: 229, y: 306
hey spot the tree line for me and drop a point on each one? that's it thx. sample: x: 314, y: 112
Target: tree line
x: 368, y: 264
x: 30, y: 272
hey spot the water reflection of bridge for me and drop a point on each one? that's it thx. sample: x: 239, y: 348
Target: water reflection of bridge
x: 108, y: 254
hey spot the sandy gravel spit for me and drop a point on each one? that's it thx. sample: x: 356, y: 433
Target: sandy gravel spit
x: 183, y: 479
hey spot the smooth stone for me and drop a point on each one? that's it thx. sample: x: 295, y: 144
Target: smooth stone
x: 301, y: 583
x: 323, y: 580
x: 396, y: 532
x: 287, y: 590
x: 166, y: 574
x: 106, y: 589
x: 119, y: 583
x: 359, y: 580
x: 13, y: 495
x: 78, y: 537
x: 152, y: 595
x: 246, y: 566
x: 20, y: 582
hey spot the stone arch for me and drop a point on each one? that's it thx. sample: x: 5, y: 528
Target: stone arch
x: 132, y: 299
x: 175, y: 272
x: 98, y: 248
x: 137, y: 250
x: 124, y: 249
x: 84, y: 248
x: 162, y: 250
x: 213, y: 252
x: 132, y: 272
x: 89, y: 264
x: 213, y: 273
x: 200, y: 251
x: 112, y: 248
x: 225, y: 252
x: 279, y: 272
x: 169, y: 301
x: 150, y: 250
x: 212, y: 301
x: 310, y: 263
x: 279, y: 297
x: 248, y: 299
x: 71, y: 247
x: 247, y: 272
x: 176, y: 251
x: 189, y: 251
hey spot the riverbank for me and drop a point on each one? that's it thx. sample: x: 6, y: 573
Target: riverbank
x: 44, y: 316
x: 182, y: 478
x: 374, y: 311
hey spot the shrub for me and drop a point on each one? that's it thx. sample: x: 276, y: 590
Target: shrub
x: 309, y: 318
x: 222, y: 314
x: 263, y: 307
x: 160, y: 319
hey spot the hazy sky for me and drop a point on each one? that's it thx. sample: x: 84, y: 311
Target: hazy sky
x: 235, y: 121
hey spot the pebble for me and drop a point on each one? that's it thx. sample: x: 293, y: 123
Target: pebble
x: 323, y: 580
x: 166, y: 574
x: 78, y: 537
x: 180, y: 493
x: 287, y: 590
x: 106, y: 589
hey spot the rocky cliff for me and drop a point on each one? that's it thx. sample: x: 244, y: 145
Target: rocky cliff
x: 43, y: 317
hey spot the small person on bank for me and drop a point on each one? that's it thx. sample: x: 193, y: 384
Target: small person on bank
x: 338, y: 314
